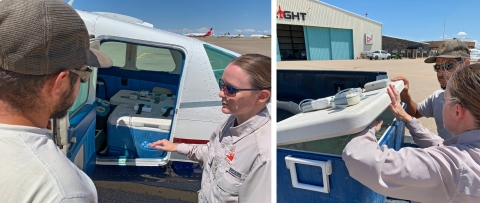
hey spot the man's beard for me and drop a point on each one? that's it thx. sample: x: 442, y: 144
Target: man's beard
x: 66, y: 102
x: 441, y: 85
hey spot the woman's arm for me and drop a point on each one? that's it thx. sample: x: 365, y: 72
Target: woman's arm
x: 422, y: 136
x: 411, y: 173
x: 193, y: 152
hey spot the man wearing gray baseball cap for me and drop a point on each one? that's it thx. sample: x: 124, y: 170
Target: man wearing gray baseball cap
x: 452, y: 55
x: 44, y: 54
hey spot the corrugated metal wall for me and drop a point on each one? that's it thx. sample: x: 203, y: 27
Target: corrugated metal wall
x: 319, y: 14
x: 342, y: 43
x: 317, y: 40
x: 328, y: 43
x: 279, y: 58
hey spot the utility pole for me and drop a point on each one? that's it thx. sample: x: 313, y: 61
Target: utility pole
x: 443, y: 36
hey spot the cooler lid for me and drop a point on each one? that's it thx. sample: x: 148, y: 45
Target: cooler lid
x: 125, y: 115
x: 327, y: 123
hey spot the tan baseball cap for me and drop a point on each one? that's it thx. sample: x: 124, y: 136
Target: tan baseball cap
x: 451, y: 49
x: 40, y: 37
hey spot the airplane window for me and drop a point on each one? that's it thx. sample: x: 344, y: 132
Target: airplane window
x: 81, y: 98
x: 116, y: 51
x: 154, y: 59
x: 218, y: 59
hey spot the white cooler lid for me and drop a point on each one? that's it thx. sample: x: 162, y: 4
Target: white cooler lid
x: 331, y: 122
x: 125, y: 115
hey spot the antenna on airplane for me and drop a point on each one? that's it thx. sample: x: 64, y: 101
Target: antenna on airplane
x: 70, y: 2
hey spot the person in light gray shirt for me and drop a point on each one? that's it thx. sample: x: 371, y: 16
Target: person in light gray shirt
x: 44, y: 53
x: 237, y: 159
x: 439, y: 171
x: 452, y: 55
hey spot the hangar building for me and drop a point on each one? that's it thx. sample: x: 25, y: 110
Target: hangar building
x: 313, y: 30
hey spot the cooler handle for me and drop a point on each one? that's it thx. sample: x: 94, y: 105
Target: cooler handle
x: 326, y: 167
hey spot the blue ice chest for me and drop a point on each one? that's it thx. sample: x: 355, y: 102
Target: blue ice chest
x: 133, y: 142
x: 129, y: 133
x: 305, y: 173
x: 142, y: 140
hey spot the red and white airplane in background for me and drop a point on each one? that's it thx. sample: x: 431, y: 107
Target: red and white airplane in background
x: 209, y: 33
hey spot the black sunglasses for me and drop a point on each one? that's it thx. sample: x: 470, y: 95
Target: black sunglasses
x: 446, y: 66
x: 83, y: 74
x: 232, y: 91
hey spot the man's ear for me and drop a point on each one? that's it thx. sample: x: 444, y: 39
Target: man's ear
x: 57, y: 84
x: 263, y: 96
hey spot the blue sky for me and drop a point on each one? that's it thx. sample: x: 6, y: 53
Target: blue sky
x: 420, y: 20
x: 248, y: 16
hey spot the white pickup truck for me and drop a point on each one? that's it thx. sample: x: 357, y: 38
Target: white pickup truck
x: 379, y: 54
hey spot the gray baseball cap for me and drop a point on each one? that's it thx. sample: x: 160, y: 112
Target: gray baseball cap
x: 40, y: 37
x: 451, y: 49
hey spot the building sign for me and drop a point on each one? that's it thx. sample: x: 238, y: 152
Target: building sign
x: 368, y: 38
x: 290, y: 15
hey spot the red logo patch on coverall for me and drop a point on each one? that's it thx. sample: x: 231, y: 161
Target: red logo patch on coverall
x: 231, y: 153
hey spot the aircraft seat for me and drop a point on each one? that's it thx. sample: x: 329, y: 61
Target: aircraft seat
x: 161, y: 90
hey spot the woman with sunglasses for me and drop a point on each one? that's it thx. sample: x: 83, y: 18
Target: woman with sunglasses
x: 236, y: 160
x: 439, y: 171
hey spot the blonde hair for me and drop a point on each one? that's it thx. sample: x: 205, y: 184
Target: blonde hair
x: 258, y: 67
x: 465, y: 88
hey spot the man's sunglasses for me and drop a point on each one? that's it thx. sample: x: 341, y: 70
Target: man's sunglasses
x: 446, y: 66
x: 83, y: 74
x: 232, y: 91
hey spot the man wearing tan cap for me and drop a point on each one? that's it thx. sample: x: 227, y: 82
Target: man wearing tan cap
x: 44, y: 54
x: 452, y: 55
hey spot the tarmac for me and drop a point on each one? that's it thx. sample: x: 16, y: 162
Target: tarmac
x: 421, y: 76
x: 243, y: 45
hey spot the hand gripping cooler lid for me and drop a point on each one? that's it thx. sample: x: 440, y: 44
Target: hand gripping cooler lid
x: 125, y: 115
x: 331, y: 122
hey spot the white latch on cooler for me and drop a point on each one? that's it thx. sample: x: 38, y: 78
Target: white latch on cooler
x: 133, y: 96
x: 144, y: 93
x: 375, y: 85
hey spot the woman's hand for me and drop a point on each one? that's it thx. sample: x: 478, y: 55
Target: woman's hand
x: 377, y: 124
x: 395, y: 107
x: 164, y: 145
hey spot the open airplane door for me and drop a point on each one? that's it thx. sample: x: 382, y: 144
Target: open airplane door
x: 74, y: 134
x: 135, y: 122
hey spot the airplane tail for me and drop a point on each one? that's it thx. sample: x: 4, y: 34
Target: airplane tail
x: 209, y: 32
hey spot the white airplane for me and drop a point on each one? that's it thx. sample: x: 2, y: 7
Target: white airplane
x: 228, y: 35
x: 209, y: 33
x: 124, y: 18
x: 180, y: 75
x: 260, y: 36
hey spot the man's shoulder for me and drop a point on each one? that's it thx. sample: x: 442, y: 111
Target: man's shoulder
x: 437, y: 94
x: 58, y: 176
